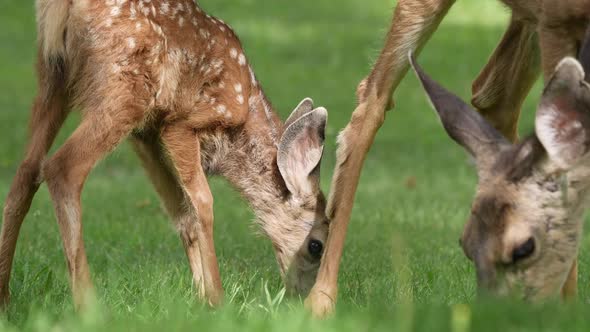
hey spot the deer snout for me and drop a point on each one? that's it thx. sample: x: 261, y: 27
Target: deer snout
x: 519, y: 244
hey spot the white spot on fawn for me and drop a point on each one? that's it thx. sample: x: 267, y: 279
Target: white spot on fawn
x: 233, y: 53
x: 132, y: 11
x: 252, y: 77
x: 165, y: 8
x: 238, y: 87
x: 217, y: 65
x: 240, y: 99
x: 115, y: 11
x: 138, y: 26
x: 131, y: 42
x: 204, y: 33
x: 242, y: 59
x: 221, y: 109
x: 180, y: 21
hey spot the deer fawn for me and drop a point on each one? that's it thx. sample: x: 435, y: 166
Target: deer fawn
x: 540, y: 34
x: 176, y: 81
x: 526, y: 220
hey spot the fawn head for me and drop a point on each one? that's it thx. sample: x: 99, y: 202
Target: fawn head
x: 525, y: 224
x: 304, y: 223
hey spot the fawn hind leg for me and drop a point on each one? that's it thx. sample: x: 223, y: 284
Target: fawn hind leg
x: 48, y: 114
x: 183, y: 148
x: 100, y: 130
x: 502, y: 86
x: 173, y: 199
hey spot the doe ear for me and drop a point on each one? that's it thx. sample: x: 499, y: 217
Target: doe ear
x: 300, y: 152
x: 462, y: 123
x: 562, y: 121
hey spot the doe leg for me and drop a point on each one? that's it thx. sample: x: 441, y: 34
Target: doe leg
x: 502, y: 86
x: 414, y: 22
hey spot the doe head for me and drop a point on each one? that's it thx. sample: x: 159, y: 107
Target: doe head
x: 526, y: 218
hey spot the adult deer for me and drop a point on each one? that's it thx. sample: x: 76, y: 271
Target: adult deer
x: 526, y: 219
x: 539, y: 35
x: 176, y: 81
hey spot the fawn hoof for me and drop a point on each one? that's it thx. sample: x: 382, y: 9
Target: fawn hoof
x: 215, y: 301
x: 320, y: 303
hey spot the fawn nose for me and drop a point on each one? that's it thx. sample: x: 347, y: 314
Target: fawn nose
x: 315, y: 248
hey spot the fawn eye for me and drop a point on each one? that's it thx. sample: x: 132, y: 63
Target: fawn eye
x: 524, y: 250
x: 315, y: 248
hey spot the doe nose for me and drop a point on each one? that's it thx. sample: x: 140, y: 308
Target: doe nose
x: 524, y: 250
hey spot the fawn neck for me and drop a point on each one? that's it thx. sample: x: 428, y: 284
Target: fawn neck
x: 246, y: 157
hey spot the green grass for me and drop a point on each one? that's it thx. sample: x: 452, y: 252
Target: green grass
x: 402, y: 269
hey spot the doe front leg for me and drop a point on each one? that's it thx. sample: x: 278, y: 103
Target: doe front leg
x: 502, y: 86
x: 414, y: 22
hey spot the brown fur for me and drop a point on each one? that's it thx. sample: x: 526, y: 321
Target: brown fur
x: 560, y: 27
x: 176, y: 80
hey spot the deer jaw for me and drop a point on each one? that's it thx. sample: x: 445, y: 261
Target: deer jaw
x: 545, y: 205
x: 292, y: 225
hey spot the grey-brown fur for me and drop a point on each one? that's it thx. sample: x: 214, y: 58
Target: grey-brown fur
x: 526, y: 219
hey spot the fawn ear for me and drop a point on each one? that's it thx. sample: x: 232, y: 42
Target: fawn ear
x: 463, y: 124
x: 300, y: 152
x: 562, y: 121
x: 305, y: 106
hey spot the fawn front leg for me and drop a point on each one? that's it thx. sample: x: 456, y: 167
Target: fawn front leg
x: 182, y: 144
x: 174, y: 200
x: 65, y: 173
x: 414, y: 22
x: 502, y: 86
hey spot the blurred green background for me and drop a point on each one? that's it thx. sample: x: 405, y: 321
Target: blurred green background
x: 402, y: 269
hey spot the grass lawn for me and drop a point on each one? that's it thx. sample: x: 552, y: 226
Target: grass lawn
x: 402, y: 269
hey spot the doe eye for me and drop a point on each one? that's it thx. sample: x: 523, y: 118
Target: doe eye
x: 315, y: 248
x: 524, y: 250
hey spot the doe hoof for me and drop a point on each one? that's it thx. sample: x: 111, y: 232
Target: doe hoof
x: 320, y: 304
